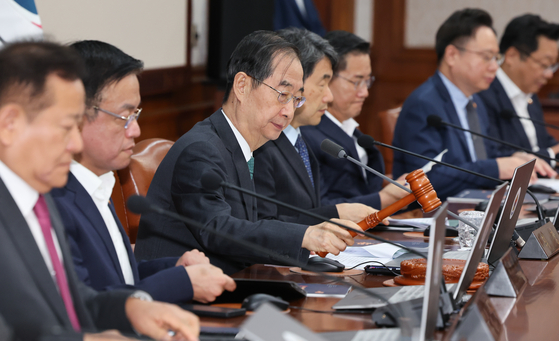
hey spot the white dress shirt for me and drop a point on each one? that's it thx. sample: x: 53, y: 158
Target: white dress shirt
x: 349, y: 126
x: 520, y: 102
x: 240, y: 139
x: 100, y: 189
x: 26, y: 197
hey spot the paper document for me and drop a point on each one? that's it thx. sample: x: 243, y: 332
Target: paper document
x: 418, y: 223
x: 430, y: 164
x: 552, y: 183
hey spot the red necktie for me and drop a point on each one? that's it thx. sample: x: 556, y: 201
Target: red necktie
x: 42, y: 212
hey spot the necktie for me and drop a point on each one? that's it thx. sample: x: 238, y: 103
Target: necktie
x: 304, y: 153
x: 42, y: 212
x: 473, y: 122
x: 250, y: 164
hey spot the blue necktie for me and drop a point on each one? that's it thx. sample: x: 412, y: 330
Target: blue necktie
x: 304, y: 153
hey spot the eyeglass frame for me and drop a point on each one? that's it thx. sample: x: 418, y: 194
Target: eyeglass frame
x: 134, y: 116
x: 359, y: 84
x: 296, y: 105
x: 498, y: 58
x: 553, y: 67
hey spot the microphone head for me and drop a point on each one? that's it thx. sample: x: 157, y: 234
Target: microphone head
x: 138, y: 204
x: 434, y: 121
x: 507, y: 114
x: 333, y: 149
x: 366, y: 141
x: 211, y: 181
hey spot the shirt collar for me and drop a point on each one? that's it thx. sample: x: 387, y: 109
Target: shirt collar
x: 511, y: 89
x: 456, y: 95
x: 24, y: 195
x: 348, y: 125
x: 98, y: 187
x: 292, y: 134
x: 240, y: 139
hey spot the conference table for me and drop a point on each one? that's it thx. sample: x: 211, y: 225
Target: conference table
x: 531, y: 316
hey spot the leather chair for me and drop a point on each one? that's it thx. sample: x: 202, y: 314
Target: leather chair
x: 388, y: 121
x: 136, y: 178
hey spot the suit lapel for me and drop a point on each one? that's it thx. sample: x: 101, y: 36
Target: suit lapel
x: 23, y: 240
x: 295, y: 161
x: 83, y: 201
x: 506, y: 104
x: 58, y: 227
x: 226, y: 134
x: 450, y: 111
x: 127, y: 245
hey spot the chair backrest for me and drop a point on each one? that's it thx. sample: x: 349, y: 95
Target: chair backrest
x: 388, y: 121
x: 136, y: 178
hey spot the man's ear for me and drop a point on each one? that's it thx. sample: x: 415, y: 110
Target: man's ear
x: 451, y: 54
x: 242, y: 85
x: 12, y: 119
x: 513, y: 56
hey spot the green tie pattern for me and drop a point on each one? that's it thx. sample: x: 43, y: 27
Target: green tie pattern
x: 250, y: 164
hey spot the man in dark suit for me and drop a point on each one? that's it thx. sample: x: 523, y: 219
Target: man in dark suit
x: 100, y: 248
x: 285, y: 169
x: 529, y: 48
x: 467, y: 52
x: 41, y: 105
x: 343, y: 181
x: 264, y: 85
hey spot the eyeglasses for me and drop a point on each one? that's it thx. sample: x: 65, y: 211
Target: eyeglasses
x: 285, y: 97
x: 129, y: 119
x: 358, y: 84
x: 487, y: 56
x: 553, y: 67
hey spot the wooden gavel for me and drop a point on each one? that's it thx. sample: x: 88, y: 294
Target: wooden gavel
x: 422, y: 191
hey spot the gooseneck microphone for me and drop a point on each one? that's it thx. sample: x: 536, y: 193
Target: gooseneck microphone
x: 509, y: 114
x: 139, y: 205
x: 213, y: 181
x: 437, y: 122
x: 337, y: 151
x: 367, y: 141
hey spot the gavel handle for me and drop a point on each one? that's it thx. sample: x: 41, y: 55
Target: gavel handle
x: 375, y: 218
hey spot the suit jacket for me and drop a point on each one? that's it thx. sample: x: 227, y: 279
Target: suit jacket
x: 94, y: 254
x: 414, y: 134
x: 211, y: 146
x: 29, y: 299
x: 279, y: 173
x: 343, y: 181
x: 287, y: 14
x: 511, y: 130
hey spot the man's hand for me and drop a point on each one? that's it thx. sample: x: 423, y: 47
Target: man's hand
x: 326, y: 237
x: 193, y: 257
x: 208, y: 282
x: 508, y: 164
x: 392, y: 193
x: 541, y: 167
x: 156, y: 319
x: 356, y: 212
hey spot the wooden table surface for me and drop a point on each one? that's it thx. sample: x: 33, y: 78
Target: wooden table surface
x: 531, y: 316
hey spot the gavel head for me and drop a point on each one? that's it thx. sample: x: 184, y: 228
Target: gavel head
x: 423, y: 190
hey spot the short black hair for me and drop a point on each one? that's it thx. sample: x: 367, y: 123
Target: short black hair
x: 105, y: 65
x: 522, y: 33
x: 346, y: 43
x: 459, y: 27
x: 312, y: 48
x: 25, y: 67
x: 255, y: 55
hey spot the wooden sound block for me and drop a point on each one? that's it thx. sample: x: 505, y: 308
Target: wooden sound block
x: 238, y: 306
x: 344, y: 273
x: 472, y: 289
x: 420, y: 235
